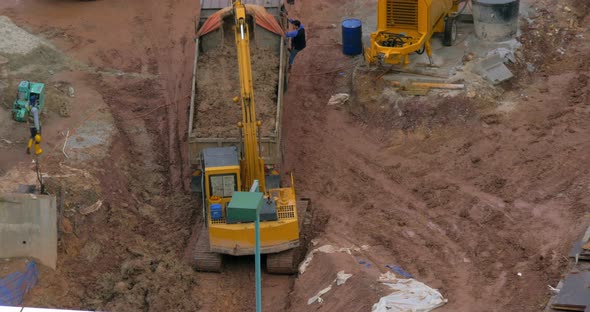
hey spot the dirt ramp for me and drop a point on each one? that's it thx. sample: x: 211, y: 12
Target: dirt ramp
x: 355, y: 294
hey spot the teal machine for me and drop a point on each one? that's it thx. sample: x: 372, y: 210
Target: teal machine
x: 29, y: 101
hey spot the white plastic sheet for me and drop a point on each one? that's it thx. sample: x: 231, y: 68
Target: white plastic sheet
x: 326, y: 249
x: 318, y: 296
x: 408, y: 295
x: 341, y: 278
x: 338, y: 99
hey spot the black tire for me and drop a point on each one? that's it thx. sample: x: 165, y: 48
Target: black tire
x: 450, y: 34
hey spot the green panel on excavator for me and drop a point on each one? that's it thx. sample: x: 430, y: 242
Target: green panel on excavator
x: 19, y: 114
x: 37, y: 88
x: 243, y: 206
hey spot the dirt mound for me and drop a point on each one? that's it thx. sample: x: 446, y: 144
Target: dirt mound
x: 579, y: 93
x: 548, y: 37
x: 10, y: 180
x: 377, y: 103
x: 149, y: 284
x: 57, y: 99
x: 408, y: 114
x: 218, y: 83
x: 15, y: 40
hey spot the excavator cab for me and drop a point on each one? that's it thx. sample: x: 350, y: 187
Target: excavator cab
x: 221, y: 176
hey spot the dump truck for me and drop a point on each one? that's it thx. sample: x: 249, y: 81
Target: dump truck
x: 235, y: 144
x: 406, y: 26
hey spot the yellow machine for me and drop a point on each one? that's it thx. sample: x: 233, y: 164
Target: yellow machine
x: 406, y: 26
x: 230, y: 169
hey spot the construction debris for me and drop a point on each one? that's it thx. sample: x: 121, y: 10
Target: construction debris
x: 398, y: 270
x: 318, y: 297
x: 493, y: 69
x: 342, y: 277
x: 407, y: 295
x: 338, y: 99
x: 92, y: 208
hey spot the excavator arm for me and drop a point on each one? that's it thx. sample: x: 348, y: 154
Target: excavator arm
x: 251, y: 163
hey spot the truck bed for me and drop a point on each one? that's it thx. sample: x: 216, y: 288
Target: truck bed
x: 217, y: 83
x: 213, y: 114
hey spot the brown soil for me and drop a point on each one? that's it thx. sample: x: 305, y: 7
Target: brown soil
x: 458, y: 192
x: 218, y: 83
x: 581, y: 8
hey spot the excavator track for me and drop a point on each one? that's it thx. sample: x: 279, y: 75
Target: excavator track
x: 287, y: 262
x: 203, y: 259
x: 282, y: 262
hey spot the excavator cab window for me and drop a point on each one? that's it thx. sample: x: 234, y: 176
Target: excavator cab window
x: 22, y: 96
x: 223, y: 185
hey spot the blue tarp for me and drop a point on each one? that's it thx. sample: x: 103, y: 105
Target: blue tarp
x: 15, y: 286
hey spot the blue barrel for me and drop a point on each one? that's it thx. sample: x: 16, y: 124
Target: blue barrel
x: 216, y: 212
x: 352, y: 37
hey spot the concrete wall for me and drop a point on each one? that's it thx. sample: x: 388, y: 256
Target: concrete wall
x: 28, y: 227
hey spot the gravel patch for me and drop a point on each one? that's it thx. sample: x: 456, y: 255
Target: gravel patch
x: 15, y: 40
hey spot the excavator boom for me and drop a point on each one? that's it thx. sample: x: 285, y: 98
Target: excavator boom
x: 251, y: 163
x: 229, y: 172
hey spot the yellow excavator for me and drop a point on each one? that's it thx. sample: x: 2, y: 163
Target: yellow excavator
x: 229, y: 172
x: 406, y: 26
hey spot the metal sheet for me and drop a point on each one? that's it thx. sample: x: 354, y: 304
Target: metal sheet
x: 493, y: 69
x: 221, y: 156
x: 575, y: 293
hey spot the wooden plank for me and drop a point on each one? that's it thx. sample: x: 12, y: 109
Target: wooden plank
x: 281, y: 90
x: 436, y: 85
x: 192, y: 103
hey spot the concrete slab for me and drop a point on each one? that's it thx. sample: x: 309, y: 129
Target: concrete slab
x: 579, y: 252
x: 575, y: 294
x: 493, y: 69
x: 28, y: 227
x: 577, y: 249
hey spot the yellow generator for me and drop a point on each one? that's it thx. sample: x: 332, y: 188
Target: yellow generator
x: 406, y: 26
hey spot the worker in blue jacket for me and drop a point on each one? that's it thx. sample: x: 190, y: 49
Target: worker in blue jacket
x: 35, y: 129
x: 297, y: 40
